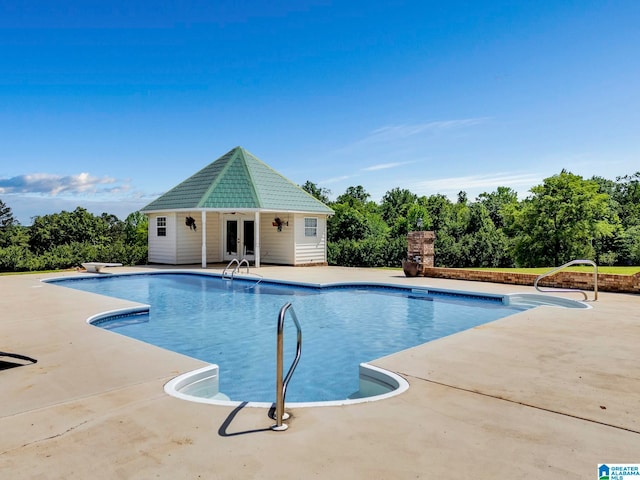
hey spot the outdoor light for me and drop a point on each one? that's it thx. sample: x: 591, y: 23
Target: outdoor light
x: 419, y: 222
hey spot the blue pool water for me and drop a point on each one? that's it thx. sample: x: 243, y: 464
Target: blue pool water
x: 233, y: 324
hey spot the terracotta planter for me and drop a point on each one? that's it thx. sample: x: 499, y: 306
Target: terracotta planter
x: 410, y: 268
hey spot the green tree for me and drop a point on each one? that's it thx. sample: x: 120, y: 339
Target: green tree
x: 496, y: 202
x: 354, y: 196
x: 418, y: 217
x: 442, y: 214
x: 79, y: 226
x: 114, y: 226
x: 624, y: 214
x: 627, y: 195
x: 630, y: 246
x: 483, y: 245
x: 560, y: 220
x: 320, y: 193
x: 395, y: 204
x: 8, y: 225
x: 347, y: 223
x: 6, y: 216
x: 136, y: 229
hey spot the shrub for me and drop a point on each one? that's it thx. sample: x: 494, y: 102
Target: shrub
x: 370, y: 252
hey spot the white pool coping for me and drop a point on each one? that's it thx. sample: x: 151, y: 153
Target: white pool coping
x: 399, y: 384
x: 174, y: 387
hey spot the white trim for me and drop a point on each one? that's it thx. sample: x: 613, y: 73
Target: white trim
x: 163, y: 226
x: 315, y: 228
x: 238, y: 210
x: 203, y: 228
x: 257, y: 239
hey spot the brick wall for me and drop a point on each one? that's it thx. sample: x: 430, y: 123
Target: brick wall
x: 564, y: 279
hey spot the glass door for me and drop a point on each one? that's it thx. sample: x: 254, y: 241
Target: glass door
x: 231, y: 239
x: 248, y: 239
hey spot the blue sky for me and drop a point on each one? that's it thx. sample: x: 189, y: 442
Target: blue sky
x: 106, y: 105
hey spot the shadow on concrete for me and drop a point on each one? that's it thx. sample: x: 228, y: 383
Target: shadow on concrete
x: 22, y: 360
x: 223, y: 430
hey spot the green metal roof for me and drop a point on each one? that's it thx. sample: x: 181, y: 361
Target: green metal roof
x: 238, y: 179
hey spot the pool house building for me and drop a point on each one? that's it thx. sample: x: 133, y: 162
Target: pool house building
x: 237, y: 207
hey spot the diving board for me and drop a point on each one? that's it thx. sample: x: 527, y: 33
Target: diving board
x: 96, y: 267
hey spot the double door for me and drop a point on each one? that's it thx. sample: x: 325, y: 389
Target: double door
x: 239, y: 238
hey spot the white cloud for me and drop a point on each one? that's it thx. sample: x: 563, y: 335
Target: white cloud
x: 26, y: 207
x: 53, y: 185
x: 373, y: 168
x: 384, y: 166
x: 43, y: 193
x: 336, y: 179
x: 392, y: 133
x: 476, y: 183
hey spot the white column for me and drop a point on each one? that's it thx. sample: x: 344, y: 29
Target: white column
x: 203, y: 228
x: 257, y: 239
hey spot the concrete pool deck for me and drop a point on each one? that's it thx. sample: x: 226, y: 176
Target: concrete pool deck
x: 546, y: 393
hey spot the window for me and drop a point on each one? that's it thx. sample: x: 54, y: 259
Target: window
x: 161, y: 224
x: 310, y: 227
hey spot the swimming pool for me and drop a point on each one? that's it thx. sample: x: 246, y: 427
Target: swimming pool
x: 233, y: 324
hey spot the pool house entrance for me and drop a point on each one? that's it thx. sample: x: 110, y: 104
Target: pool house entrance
x: 240, y: 241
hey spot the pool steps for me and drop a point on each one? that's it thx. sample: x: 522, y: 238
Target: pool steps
x: 202, y: 386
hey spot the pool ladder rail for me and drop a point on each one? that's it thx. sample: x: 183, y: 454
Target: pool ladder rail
x: 568, y: 264
x: 281, y: 384
x: 229, y: 274
x: 238, y: 265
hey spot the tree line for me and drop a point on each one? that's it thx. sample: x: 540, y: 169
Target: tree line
x: 564, y: 218
x: 66, y: 239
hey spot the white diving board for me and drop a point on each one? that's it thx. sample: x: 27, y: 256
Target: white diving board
x: 96, y: 267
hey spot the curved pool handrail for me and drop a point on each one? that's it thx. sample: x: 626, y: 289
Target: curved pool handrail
x: 281, y: 385
x: 568, y: 264
x: 224, y: 272
x: 244, y: 261
x: 238, y: 266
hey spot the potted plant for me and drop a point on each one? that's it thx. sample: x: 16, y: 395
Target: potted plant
x: 411, y: 267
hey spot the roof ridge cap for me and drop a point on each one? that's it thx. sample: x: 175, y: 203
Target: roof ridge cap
x: 219, y: 177
x: 252, y: 182
x: 280, y: 175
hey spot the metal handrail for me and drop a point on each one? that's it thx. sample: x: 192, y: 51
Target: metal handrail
x: 224, y: 272
x: 568, y: 264
x: 281, y: 385
x: 239, y: 266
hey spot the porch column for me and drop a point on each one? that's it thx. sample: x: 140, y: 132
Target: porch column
x: 257, y: 239
x: 203, y: 229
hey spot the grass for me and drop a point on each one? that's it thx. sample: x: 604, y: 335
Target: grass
x: 38, y: 271
x: 540, y: 270
x: 586, y: 268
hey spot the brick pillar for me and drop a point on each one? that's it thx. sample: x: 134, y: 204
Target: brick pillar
x: 420, y: 249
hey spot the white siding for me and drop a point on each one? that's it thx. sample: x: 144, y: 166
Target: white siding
x: 183, y: 246
x: 310, y: 249
x: 276, y: 246
x: 213, y: 237
x: 189, y: 242
x: 162, y: 249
